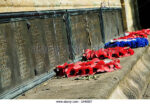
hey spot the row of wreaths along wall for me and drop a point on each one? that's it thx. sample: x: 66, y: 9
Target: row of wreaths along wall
x: 32, y: 43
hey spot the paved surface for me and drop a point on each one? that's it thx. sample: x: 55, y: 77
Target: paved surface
x: 69, y: 88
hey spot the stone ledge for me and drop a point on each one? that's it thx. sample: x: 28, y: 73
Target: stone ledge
x: 101, y: 88
x: 135, y: 82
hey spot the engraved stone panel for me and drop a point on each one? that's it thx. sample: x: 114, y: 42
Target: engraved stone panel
x: 119, y: 22
x: 111, y: 28
x: 61, y: 39
x: 48, y: 28
x: 80, y: 34
x: 94, y: 30
x: 5, y: 71
x: 39, y: 50
x: 20, y: 34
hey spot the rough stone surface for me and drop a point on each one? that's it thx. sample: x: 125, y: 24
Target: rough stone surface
x: 36, y: 5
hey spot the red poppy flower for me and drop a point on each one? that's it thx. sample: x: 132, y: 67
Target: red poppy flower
x: 89, y: 54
